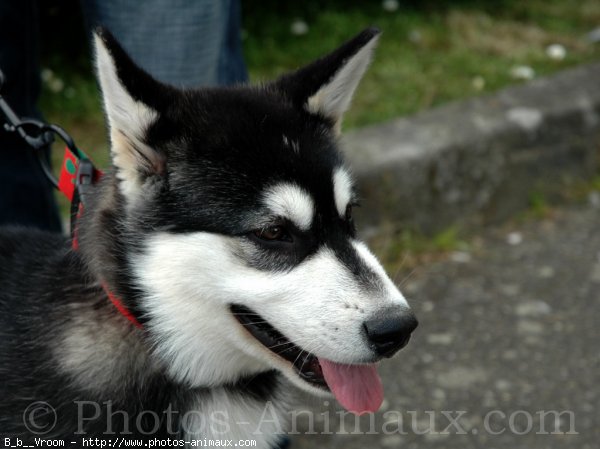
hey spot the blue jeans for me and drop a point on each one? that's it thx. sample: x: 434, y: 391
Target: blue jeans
x: 181, y: 42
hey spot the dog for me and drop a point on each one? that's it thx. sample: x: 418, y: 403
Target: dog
x: 217, y: 266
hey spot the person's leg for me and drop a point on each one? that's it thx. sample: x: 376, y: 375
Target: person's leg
x: 181, y: 42
x: 232, y: 68
x: 26, y: 197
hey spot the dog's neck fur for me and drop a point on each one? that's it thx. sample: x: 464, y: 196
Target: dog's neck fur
x: 103, y: 242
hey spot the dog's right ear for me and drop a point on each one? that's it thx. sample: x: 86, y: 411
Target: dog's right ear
x: 326, y: 86
x: 131, y: 100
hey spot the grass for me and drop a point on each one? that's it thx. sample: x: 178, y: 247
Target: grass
x: 401, y: 250
x: 427, y: 55
x: 431, y: 52
x: 539, y: 206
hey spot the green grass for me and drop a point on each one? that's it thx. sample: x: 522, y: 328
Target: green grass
x: 539, y: 206
x: 401, y: 250
x: 427, y: 55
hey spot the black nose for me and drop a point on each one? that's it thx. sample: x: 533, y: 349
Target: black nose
x: 389, y: 331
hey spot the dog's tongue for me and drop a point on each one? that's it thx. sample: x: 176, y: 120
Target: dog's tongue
x: 357, y: 387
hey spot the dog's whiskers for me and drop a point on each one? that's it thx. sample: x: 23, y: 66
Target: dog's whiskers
x: 399, y: 269
x: 298, y: 357
x: 407, y: 277
x: 250, y: 323
x: 303, y: 362
x: 280, y: 344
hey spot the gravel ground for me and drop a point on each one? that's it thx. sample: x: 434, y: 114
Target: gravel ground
x: 508, y: 332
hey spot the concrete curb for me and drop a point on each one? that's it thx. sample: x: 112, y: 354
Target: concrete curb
x: 479, y: 161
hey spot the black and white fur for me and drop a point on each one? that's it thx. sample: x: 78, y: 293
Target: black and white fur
x: 176, y: 229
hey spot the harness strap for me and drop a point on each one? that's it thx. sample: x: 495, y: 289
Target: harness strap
x: 121, y: 307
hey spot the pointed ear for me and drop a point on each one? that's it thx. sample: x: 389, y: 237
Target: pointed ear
x: 131, y: 98
x: 326, y: 86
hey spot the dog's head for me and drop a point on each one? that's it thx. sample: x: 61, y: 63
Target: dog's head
x: 231, y: 221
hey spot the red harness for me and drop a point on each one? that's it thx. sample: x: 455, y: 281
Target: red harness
x: 70, y: 185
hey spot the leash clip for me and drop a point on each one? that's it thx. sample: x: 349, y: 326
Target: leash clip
x: 84, y: 178
x: 77, y: 172
x: 37, y: 134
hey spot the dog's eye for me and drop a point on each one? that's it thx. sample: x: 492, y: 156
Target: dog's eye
x: 273, y: 233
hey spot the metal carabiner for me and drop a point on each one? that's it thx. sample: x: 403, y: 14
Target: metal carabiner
x: 37, y: 134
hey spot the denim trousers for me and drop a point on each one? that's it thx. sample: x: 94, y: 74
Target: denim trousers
x: 181, y: 42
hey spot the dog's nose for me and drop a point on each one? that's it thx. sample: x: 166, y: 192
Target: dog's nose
x: 390, y: 330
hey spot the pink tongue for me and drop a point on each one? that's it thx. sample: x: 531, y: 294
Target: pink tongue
x: 357, y: 387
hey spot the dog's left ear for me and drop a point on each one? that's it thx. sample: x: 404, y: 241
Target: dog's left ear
x: 131, y: 100
x: 326, y: 86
